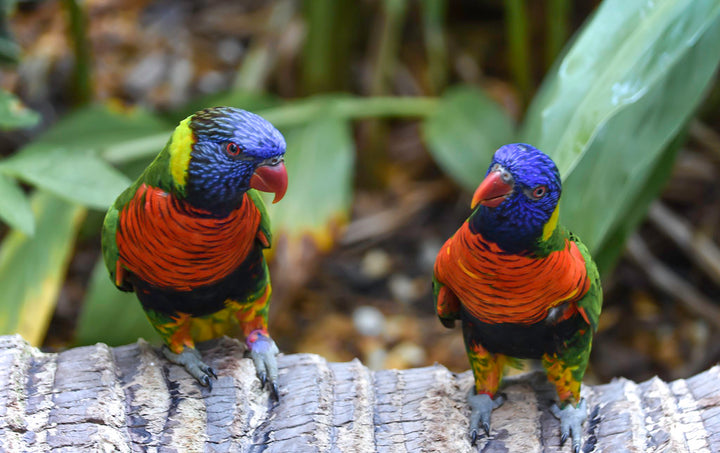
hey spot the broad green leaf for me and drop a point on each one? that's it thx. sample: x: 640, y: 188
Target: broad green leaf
x: 81, y: 177
x: 319, y: 161
x: 118, y: 135
x: 32, y: 269
x: 613, y: 246
x: 464, y: 132
x: 111, y: 316
x: 67, y: 160
x: 13, y: 114
x: 15, y: 207
x: 624, y: 89
x: 98, y: 127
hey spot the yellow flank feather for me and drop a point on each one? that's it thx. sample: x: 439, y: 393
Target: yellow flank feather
x: 180, y: 148
x: 551, y: 224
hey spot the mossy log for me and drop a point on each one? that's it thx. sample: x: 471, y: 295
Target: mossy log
x: 129, y: 398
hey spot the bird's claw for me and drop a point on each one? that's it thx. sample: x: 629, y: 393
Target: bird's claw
x: 571, y: 421
x: 263, y: 350
x: 481, y: 406
x: 190, y: 359
x: 473, y: 436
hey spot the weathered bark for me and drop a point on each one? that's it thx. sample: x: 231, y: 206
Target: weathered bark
x: 129, y: 398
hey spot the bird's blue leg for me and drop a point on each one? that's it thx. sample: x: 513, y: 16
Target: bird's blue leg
x: 253, y: 319
x: 179, y: 347
x: 488, y: 371
x: 565, y: 370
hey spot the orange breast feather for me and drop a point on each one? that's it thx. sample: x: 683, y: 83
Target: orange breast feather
x: 496, y: 287
x: 170, y: 245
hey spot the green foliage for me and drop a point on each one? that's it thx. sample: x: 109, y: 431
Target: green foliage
x: 32, y: 269
x: 617, y: 99
x: 77, y: 176
x: 319, y: 162
x: 66, y: 161
x: 464, y: 132
x: 110, y: 315
x: 607, y: 113
x: 9, y: 49
x: 13, y: 114
x: 614, y: 243
x: 15, y: 207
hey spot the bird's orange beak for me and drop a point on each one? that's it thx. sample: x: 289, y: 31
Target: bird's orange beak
x: 492, y: 191
x: 271, y: 178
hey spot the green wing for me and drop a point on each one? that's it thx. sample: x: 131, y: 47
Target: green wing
x: 264, y: 217
x: 592, y: 302
x: 109, y: 246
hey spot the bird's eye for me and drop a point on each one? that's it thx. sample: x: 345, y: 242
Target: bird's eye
x: 539, y: 191
x: 232, y: 149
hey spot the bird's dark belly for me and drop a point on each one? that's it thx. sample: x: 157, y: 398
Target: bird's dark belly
x: 524, y: 341
x: 248, y: 278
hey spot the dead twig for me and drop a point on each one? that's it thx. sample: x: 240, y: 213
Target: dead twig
x: 706, y: 136
x: 671, y: 283
x: 387, y: 221
x: 697, y: 246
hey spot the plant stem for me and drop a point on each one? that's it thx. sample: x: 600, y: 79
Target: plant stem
x: 557, y: 22
x: 433, y: 12
x: 296, y: 114
x: 82, y: 88
x: 392, y: 21
x: 350, y: 108
x: 326, y: 54
x: 262, y: 53
x: 518, y: 36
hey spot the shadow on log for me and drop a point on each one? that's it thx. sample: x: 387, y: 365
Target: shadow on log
x: 129, y: 398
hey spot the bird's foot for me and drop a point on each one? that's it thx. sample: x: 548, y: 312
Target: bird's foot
x: 262, y: 350
x: 571, y: 420
x: 190, y: 359
x: 482, y: 405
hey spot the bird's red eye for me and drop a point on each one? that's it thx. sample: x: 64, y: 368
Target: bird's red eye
x: 232, y: 149
x: 539, y: 191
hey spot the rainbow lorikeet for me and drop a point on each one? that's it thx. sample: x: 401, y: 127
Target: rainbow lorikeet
x: 521, y: 285
x: 188, y: 237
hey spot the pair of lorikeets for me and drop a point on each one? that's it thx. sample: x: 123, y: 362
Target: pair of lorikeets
x: 188, y: 237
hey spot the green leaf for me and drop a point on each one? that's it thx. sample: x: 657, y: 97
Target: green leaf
x: 15, y: 207
x: 464, y: 132
x: 110, y: 315
x: 319, y: 162
x: 632, y: 78
x: 99, y: 127
x: 32, y: 270
x: 13, y: 114
x: 81, y: 177
x: 66, y: 160
x: 612, y: 248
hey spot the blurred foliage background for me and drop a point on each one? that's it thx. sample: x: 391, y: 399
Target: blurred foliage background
x: 391, y: 110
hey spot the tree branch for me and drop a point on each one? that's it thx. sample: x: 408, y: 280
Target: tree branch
x: 97, y: 398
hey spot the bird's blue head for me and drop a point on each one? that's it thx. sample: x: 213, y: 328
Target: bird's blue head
x: 222, y: 152
x: 517, y: 202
